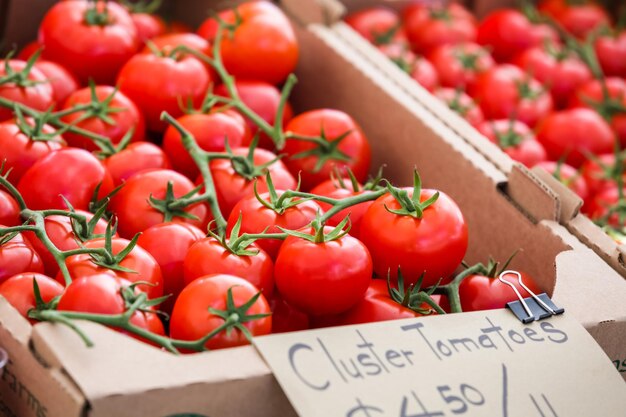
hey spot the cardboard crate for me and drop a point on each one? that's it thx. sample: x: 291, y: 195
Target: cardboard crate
x: 52, y: 373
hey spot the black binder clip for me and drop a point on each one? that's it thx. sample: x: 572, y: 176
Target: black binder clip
x: 535, y: 307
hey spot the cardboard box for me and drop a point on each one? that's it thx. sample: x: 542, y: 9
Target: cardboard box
x: 53, y: 374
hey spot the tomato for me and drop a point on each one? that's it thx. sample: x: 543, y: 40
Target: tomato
x: 263, y: 99
x: 168, y: 244
x: 479, y: 292
x: 506, y: 91
x: 231, y: 186
x: 92, y: 40
x: 579, y: 19
x: 600, y: 205
x: 175, y: 26
x: 599, y: 172
x: 255, y: 218
x: 210, y: 131
x: 208, y: 256
x: 515, y: 139
x: 62, y: 81
x: 132, y: 203
x: 611, y: 52
x: 18, y: 291
x: 100, y: 294
x: 136, y: 157
x: 434, y: 244
x: 9, y: 210
x: 376, y: 24
x: 145, y: 268
x: 418, y: 68
x: 573, y: 133
x: 569, y: 176
x: 172, y: 81
x: 20, y: 149
x: 112, y: 116
x: 167, y: 42
x: 17, y: 256
x: 28, y: 50
x: 322, y: 278
x: 463, y: 104
x: 430, y: 26
x: 458, y: 65
x: 352, y: 152
x: 47, y: 180
x: 31, y: 88
x: 285, y: 318
x: 263, y: 47
x: 191, y: 318
x: 148, y: 26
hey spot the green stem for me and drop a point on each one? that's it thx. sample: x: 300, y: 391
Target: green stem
x: 451, y: 290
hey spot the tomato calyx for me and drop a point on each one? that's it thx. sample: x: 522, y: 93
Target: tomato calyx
x: 105, y: 257
x: 386, y: 37
x: 509, y: 138
x: 95, y: 17
x: 456, y: 105
x: 172, y: 206
x: 238, y: 244
x: 411, y: 206
x: 20, y: 78
x: 277, y: 203
x: 325, y: 150
x: 245, y: 166
x: 468, y: 60
x: 100, y: 109
x: 413, y: 297
x: 142, y: 6
x: 525, y: 90
x: 439, y: 13
x: 319, y: 236
x: 234, y: 317
x: 35, y: 132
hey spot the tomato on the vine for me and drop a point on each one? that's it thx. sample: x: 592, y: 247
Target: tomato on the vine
x: 459, y: 64
x: 17, y: 256
x: 9, y: 210
x: 62, y: 81
x: 26, y: 86
x: 19, y: 291
x: 611, y: 52
x: 463, y: 104
x: 516, y: 140
x: 417, y: 67
x: 600, y: 171
x: 135, y: 158
x: 479, y: 292
x: 379, y: 25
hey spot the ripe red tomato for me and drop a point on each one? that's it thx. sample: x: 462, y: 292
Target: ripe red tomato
x: 167, y: 42
x: 458, y: 65
x: 28, y: 50
x: 376, y: 24
x: 285, y: 318
x: 191, y: 318
x: 573, y: 133
x: 611, y: 52
x: 168, y: 244
x: 322, y: 278
x: 417, y: 67
x: 463, y: 104
x: 18, y: 291
x: 93, y: 40
x: 17, y: 256
x: 599, y: 205
x: 20, y: 151
x: 263, y: 47
x: 580, y: 19
x: 62, y: 81
x: 35, y: 92
x: 506, y: 91
x: 132, y: 203
x: 569, y: 176
x: 210, y: 131
x: 47, y: 180
x: 148, y: 26
x: 515, y: 139
x: 255, y: 218
x: 600, y: 172
x: 136, y: 157
x: 208, y: 256
x: 352, y: 152
x: 114, y: 124
x: 9, y: 210
x: 434, y: 244
x: 479, y: 292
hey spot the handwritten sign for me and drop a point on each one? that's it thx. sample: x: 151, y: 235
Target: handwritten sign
x: 471, y: 364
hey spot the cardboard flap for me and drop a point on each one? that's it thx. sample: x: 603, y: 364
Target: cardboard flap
x: 11, y: 319
x: 570, y: 201
x: 537, y: 200
x: 314, y: 11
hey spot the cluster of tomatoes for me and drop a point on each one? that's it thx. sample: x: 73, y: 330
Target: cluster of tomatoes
x: 547, y: 84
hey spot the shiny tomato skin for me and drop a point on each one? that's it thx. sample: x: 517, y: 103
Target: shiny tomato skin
x: 18, y: 291
x: 436, y: 243
x: 172, y: 81
x: 356, y: 212
x: 192, y: 320
x: 285, y: 318
x: 574, y: 132
x: 479, y: 292
x: 570, y: 177
x: 168, y: 244
x: 592, y: 172
x: 89, y: 51
x: 148, y: 26
x: 9, y: 210
x: 129, y: 118
x: 44, y: 182
x: 455, y: 66
x: 463, y: 104
x: 374, y: 22
x: 322, y: 278
x: 581, y: 19
x: 207, y: 256
x: 17, y: 256
x: 135, y: 158
x: 62, y: 81
x: 132, y: 205
x: 528, y: 151
x: 611, y: 53
x: 38, y: 96
x: 255, y: 218
x: 263, y: 47
x: 210, y: 131
x: 425, y: 74
x: 599, y: 204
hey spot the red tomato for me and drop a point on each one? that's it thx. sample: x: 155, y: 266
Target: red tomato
x: 332, y: 125
x: 175, y: 26
x: 168, y: 244
x: 172, y: 81
x: 463, y: 104
x: 479, y: 292
x: 132, y: 203
x: 167, y: 42
x: 255, y: 218
x: 191, y: 318
x: 600, y: 204
x: 600, y: 172
x: 434, y: 244
x: 573, y: 133
x: 47, y: 180
x: 136, y: 157
x: 18, y: 291
x: 148, y: 26
x: 569, y: 176
x: 208, y: 256
x: 145, y: 268
x: 285, y: 318
x: 418, y: 68
x: 425, y: 74
x: 611, y: 52
x: 113, y: 119
x: 581, y: 19
x: 35, y: 91
x: 515, y: 139
x: 263, y: 47
x: 506, y: 91
x: 62, y: 81
x: 72, y: 36
x: 17, y: 256
x: 19, y: 150
x: 29, y: 50
x: 9, y: 210
x: 322, y: 278
x: 458, y: 65
x: 376, y: 24
x: 231, y: 187
x: 210, y: 131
